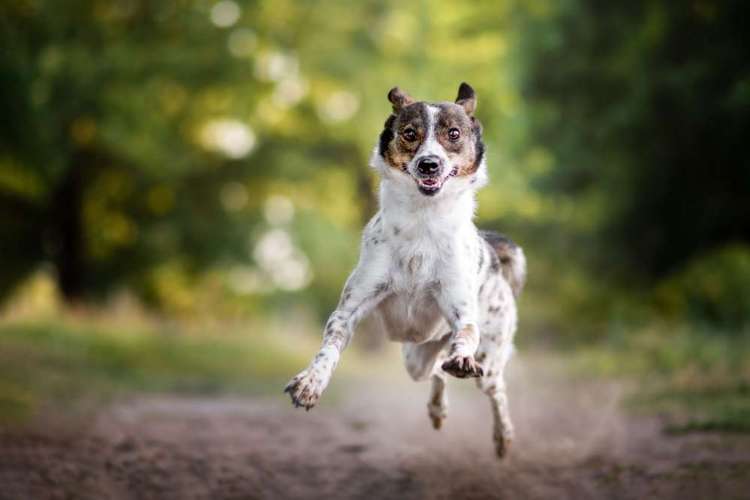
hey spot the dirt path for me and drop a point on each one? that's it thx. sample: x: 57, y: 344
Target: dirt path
x: 372, y: 440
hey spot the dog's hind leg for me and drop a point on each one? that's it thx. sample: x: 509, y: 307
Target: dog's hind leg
x: 502, y: 432
x: 437, y: 406
x: 420, y: 359
x: 493, y: 385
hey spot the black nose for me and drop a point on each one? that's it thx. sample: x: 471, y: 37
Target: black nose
x: 429, y: 165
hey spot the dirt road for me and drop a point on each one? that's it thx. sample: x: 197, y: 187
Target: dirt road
x: 371, y: 439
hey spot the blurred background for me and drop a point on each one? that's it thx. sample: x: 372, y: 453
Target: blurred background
x: 183, y: 185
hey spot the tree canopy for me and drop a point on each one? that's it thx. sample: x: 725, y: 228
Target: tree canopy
x: 181, y: 146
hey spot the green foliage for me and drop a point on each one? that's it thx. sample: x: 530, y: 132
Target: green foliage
x: 211, y: 157
x: 695, y: 379
x: 60, y: 365
x: 148, y: 138
x: 645, y: 108
x: 106, y: 172
x: 725, y: 409
x: 713, y: 288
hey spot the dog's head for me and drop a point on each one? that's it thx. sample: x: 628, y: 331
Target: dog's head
x: 432, y: 147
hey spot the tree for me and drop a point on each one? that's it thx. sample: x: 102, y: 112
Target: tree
x: 147, y: 137
x: 100, y: 96
x: 646, y: 106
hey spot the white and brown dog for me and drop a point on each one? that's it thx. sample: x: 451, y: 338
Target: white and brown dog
x: 441, y: 287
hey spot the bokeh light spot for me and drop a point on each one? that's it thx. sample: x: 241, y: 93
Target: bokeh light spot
x: 225, y: 13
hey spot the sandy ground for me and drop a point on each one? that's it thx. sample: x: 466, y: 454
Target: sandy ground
x: 371, y: 439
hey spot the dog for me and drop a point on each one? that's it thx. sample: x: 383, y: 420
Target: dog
x: 440, y: 286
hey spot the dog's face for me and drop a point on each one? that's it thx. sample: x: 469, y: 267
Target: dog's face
x: 429, y: 145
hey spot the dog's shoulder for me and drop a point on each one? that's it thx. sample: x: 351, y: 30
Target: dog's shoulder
x: 373, y: 233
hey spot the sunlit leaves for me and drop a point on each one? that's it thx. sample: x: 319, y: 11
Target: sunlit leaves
x: 216, y: 120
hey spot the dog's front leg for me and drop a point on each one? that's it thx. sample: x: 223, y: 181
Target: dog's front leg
x: 458, y: 302
x: 364, y: 289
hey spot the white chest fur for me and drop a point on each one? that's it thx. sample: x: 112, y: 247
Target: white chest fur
x: 424, y: 240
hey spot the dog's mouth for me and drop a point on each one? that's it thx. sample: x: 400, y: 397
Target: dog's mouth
x: 430, y: 186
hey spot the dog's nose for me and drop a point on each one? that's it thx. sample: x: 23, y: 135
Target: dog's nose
x: 429, y: 165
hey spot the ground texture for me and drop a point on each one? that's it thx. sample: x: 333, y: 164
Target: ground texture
x: 371, y: 439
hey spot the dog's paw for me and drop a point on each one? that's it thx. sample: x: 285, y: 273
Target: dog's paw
x: 502, y: 446
x: 462, y: 366
x: 437, y: 421
x: 437, y: 414
x: 305, y: 389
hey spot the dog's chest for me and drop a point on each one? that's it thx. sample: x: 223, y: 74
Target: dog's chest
x: 419, y: 251
x: 411, y: 313
x: 411, y: 317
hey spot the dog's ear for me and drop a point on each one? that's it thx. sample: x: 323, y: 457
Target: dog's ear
x: 467, y: 98
x: 399, y: 99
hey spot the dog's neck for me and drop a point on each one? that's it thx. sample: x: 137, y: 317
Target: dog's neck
x: 404, y: 207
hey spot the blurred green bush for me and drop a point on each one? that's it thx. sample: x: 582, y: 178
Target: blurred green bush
x: 210, y: 158
x: 712, y: 288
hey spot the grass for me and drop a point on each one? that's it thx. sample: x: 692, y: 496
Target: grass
x: 725, y: 409
x: 46, y: 366
x: 697, y: 379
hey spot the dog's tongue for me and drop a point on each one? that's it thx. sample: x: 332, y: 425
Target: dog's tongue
x: 429, y: 182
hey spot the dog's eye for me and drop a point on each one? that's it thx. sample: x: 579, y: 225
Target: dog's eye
x: 410, y: 134
x: 454, y: 134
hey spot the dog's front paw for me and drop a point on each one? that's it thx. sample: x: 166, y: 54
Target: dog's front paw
x: 305, y: 389
x: 462, y: 366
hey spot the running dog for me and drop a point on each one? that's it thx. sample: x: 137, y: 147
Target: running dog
x: 443, y: 288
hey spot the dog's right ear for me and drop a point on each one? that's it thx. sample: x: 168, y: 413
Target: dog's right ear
x: 399, y: 99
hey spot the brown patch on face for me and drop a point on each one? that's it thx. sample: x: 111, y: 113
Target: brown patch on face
x: 456, y: 129
x: 400, y: 149
x: 465, y: 152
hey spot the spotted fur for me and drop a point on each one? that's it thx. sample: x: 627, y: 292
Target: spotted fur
x: 438, y: 285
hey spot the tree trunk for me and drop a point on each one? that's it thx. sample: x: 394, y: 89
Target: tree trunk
x: 67, y: 228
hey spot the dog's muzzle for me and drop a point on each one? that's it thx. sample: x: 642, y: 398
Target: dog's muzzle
x: 429, y: 169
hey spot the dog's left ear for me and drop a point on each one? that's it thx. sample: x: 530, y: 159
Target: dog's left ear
x: 467, y: 98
